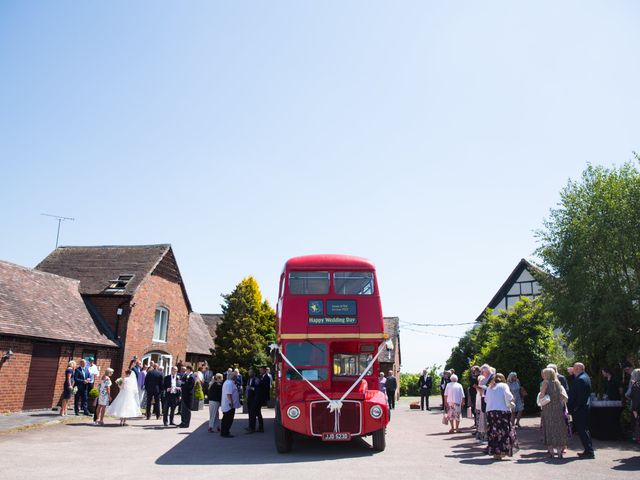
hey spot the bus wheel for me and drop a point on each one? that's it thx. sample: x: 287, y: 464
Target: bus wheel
x: 379, y: 439
x: 284, y: 437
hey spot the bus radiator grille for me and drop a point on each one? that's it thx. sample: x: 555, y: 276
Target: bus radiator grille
x: 322, y: 420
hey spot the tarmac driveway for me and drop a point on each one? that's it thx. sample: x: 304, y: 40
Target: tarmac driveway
x: 418, y: 446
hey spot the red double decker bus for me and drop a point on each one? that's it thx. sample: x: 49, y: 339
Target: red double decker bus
x: 330, y: 332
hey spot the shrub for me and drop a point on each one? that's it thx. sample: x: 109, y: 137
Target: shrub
x: 93, y: 393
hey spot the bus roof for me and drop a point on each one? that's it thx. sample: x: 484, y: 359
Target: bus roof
x: 329, y: 261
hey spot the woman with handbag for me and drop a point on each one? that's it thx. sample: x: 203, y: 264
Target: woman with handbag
x: 454, y: 399
x: 501, y: 434
x: 553, y: 400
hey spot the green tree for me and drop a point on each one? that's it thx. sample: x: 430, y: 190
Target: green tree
x: 246, y: 330
x: 521, y: 339
x: 591, y: 246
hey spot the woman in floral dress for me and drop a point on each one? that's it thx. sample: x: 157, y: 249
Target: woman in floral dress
x: 500, y: 432
x: 554, y: 427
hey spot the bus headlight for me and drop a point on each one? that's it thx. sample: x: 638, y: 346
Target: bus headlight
x: 293, y: 412
x: 376, y: 411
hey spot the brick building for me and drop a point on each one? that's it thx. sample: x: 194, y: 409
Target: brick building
x: 391, y: 360
x: 139, y: 294
x: 44, y: 323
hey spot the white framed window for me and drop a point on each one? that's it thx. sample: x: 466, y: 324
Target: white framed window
x: 160, y: 325
x: 162, y: 359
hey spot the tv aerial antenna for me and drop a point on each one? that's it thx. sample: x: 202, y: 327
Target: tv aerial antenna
x: 60, y: 220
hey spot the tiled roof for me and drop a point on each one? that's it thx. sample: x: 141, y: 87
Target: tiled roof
x: 391, y: 328
x: 199, y: 339
x: 41, y: 305
x: 212, y: 320
x: 96, y: 266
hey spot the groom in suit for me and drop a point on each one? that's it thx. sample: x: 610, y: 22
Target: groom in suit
x: 171, y: 391
x: 152, y: 385
x: 81, y: 378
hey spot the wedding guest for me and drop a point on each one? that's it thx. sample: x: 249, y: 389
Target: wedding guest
x: 446, y: 375
x: 208, y: 375
x: 104, y: 396
x: 635, y: 401
x: 263, y: 393
x: 215, y: 397
x: 474, y: 373
x: 579, y: 404
x: 252, y: 400
x: 81, y: 379
x: 239, y: 380
x: 424, y: 385
x: 627, y: 368
x: 230, y: 401
x: 153, y: 386
x: 454, y: 398
x: 487, y: 373
x: 561, y: 378
x: 391, y: 386
x: 67, y: 389
x: 382, y: 381
x: 187, y: 397
x: 501, y: 435
x: 171, y: 387
x: 127, y: 402
x: 612, y: 388
x: 554, y: 428
x: 517, y: 391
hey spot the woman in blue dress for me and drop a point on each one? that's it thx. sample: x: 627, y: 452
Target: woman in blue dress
x: 518, y: 393
x: 67, y: 390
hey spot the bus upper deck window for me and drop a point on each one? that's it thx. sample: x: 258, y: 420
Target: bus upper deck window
x: 309, y: 283
x: 353, y: 283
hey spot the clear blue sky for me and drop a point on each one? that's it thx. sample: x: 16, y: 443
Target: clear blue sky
x: 431, y: 137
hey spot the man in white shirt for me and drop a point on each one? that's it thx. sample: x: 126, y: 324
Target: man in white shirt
x: 230, y: 398
x: 171, y: 387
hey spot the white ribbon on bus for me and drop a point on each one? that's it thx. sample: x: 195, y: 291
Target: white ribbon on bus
x: 335, y: 406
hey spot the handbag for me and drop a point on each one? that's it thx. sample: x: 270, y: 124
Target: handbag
x: 445, y: 420
x: 543, y: 400
x: 469, y: 412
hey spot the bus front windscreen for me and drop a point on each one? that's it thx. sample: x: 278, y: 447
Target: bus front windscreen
x: 310, y: 358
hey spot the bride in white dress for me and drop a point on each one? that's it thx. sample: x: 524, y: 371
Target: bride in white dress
x: 127, y: 403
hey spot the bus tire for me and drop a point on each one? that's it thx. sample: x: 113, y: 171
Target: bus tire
x: 379, y: 439
x: 283, y: 437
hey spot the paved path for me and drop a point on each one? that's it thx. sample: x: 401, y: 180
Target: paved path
x: 418, y: 446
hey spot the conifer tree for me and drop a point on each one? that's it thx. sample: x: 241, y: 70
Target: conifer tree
x: 247, y: 328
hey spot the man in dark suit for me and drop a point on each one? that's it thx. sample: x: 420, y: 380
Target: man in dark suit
x: 425, y: 383
x: 171, y: 391
x: 578, y: 405
x: 152, y: 385
x: 81, y: 377
x: 263, y: 392
x: 187, y: 396
x: 392, y: 386
x: 252, y: 400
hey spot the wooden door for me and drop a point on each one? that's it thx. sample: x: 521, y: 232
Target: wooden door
x: 42, y: 376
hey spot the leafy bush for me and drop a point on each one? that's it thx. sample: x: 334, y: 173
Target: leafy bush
x: 93, y: 393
